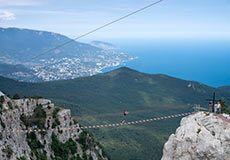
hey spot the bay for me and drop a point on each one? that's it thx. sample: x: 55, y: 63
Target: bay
x: 203, y: 60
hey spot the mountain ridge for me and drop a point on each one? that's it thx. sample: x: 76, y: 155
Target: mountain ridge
x: 119, y: 90
x: 75, y: 59
x: 104, y: 45
x: 225, y: 88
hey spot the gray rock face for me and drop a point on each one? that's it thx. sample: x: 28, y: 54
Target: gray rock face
x: 201, y: 136
x: 28, y: 128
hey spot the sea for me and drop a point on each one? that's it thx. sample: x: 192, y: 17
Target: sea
x: 203, y: 60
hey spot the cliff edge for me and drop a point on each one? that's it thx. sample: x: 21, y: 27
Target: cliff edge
x: 36, y: 129
x: 201, y: 136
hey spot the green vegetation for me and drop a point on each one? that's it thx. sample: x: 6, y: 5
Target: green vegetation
x: 83, y: 140
x: 56, y: 123
x: 63, y: 151
x: 224, y: 107
x: 16, y: 96
x: 8, y: 95
x: 213, y: 133
x: 10, y: 105
x: 35, y: 146
x: 8, y: 151
x: 57, y: 147
x: 38, y: 118
x: 72, y: 146
x: 198, y: 131
x: 21, y: 158
x: 2, y: 124
x: 56, y: 110
x: 10, y: 69
x: 0, y: 108
x: 2, y: 99
x: 115, y: 91
x: 76, y: 158
x: 84, y: 157
x: 33, y: 142
x: 87, y: 141
x: 33, y: 97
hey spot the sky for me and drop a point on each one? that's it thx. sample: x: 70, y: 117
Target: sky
x: 169, y: 19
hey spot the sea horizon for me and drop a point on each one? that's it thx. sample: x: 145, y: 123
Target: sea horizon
x: 202, y: 60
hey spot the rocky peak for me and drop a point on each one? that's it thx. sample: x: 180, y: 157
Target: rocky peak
x: 202, y: 136
x: 34, y: 128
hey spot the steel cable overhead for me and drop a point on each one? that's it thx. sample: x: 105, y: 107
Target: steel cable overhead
x: 94, y: 30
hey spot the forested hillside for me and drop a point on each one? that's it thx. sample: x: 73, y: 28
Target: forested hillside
x: 121, y: 89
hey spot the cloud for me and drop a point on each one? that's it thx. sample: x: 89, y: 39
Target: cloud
x: 5, y: 3
x: 8, y: 16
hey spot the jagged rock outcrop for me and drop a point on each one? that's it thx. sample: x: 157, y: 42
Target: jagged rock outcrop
x: 32, y: 129
x: 201, y: 136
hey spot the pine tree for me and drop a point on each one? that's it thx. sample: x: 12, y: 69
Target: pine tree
x: 224, y: 107
x: 16, y: 96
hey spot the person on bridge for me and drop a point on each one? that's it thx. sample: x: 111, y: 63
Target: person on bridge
x: 124, y: 119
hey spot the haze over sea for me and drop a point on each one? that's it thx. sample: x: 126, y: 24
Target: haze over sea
x: 203, y: 60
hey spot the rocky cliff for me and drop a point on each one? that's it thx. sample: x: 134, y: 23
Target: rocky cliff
x: 33, y: 128
x: 201, y: 136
